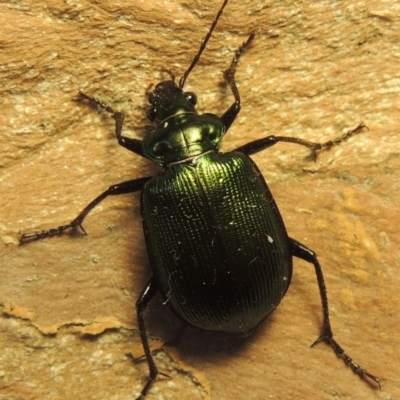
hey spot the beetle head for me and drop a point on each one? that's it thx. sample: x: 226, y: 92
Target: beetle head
x: 168, y: 100
x: 180, y: 134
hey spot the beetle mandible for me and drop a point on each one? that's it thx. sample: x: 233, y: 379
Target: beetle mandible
x: 231, y: 263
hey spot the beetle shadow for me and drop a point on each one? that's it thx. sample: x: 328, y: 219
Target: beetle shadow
x: 195, y: 345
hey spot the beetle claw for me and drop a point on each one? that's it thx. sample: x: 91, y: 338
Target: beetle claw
x: 320, y: 339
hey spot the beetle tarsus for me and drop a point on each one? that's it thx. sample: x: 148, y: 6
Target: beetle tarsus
x: 356, y: 368
x: 334, y: 142
x: 93, y: 100
x: 30, y: 237
x: 317, y: 147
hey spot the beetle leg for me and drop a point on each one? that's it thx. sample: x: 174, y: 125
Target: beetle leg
x: 262, y: 144
x: 131, y: 144
x: 121, y: 188
x: 303, y: 252
x: 229, y: 115
x: 146, y: 296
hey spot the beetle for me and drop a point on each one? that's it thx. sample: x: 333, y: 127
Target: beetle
x: 219, y: 250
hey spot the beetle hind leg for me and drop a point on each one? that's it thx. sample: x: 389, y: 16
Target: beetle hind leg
x: 146, y: 296
x: 303, y: 252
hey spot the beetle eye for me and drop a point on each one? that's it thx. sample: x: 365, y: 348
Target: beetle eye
x: 151, y: 113
x: 191, y: 97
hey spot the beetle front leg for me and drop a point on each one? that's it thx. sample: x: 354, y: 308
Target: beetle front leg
x: 121, y: 188
x: 146, y: 296
x: 303, y: 252
x: 134, y: 145
x: 229, y: 115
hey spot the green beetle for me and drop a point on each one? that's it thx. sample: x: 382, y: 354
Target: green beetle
x: 218, y: 248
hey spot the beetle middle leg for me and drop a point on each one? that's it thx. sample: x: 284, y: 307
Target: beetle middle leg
x: 121, y: 188
x: 303, y: 252
x: 261, y: 144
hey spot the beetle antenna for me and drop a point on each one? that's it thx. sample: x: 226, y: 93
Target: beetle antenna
x: 169, y: 72
x: 202, y: 47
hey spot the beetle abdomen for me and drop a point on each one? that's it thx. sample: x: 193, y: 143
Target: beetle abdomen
x: 216, y: 242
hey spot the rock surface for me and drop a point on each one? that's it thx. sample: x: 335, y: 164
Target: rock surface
x: 314, y: 70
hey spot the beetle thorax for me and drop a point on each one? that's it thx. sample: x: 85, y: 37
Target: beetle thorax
x: 183, y: 137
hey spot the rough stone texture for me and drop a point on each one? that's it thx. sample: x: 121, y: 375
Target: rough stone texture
x: 315, y: 70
